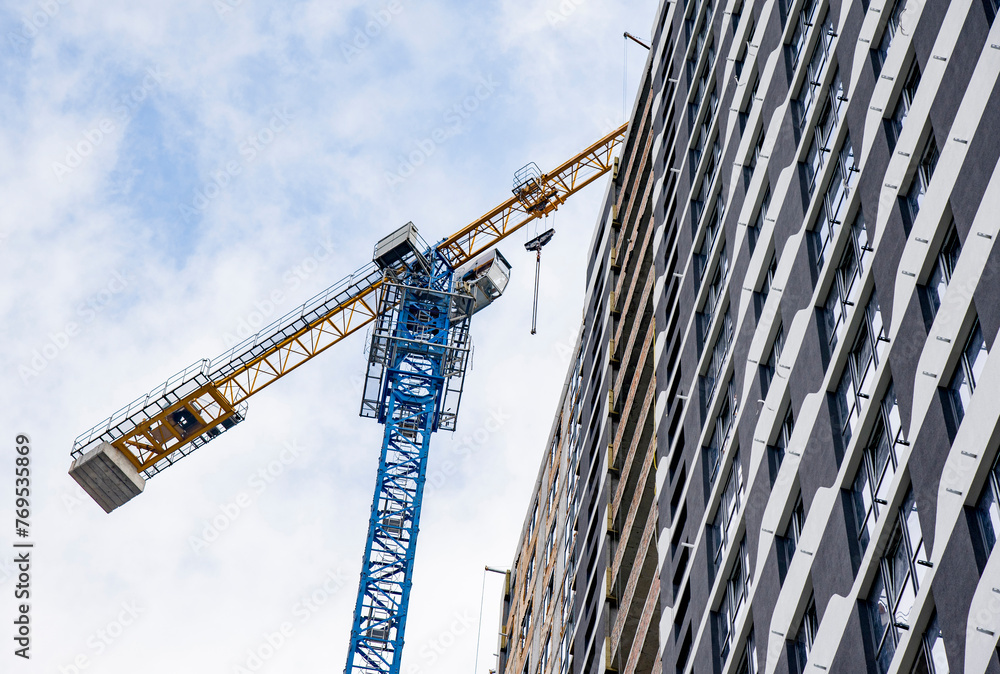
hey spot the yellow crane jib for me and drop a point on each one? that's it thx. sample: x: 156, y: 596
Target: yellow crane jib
x: 113, y: 460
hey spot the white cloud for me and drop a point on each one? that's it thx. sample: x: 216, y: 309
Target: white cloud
x: 190, y: 283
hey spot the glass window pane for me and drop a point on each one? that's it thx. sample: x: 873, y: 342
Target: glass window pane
x: 961, y: 393
x: 935, y: 645
x: 862, y: 504
x: 920, y: 666
x: 885, y: 654
x: 911, y: 521
x: 878, y: 605
x: 976, y: 354
x: 989, y: 515
x: 937, y: 284
x: 907, y: 594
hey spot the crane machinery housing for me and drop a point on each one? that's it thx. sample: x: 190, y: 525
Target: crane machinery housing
x: 419, y: 300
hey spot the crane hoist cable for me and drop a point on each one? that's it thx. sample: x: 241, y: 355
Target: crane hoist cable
x: 419, y: 300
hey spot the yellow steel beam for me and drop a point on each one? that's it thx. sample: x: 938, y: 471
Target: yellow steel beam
x: 552, y: 191
x: 344, y: 320
x: 160, y: 436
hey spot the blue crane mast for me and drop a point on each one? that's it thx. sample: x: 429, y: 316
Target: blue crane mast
x: 416, y: 369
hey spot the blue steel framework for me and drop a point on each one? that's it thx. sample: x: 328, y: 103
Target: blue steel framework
x: 419, y: 344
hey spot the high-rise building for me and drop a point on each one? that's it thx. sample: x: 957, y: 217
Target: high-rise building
x: 583, y: 589
x: 777, y: 450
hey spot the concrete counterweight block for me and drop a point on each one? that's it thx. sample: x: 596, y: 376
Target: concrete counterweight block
x: 107, y: 476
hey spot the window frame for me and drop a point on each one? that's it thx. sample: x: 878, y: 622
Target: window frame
x: 921, y: 181
x: 969, y: 368
x: 912, y: 565
x: 878, y: 467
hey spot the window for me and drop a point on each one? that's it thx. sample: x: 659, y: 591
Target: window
x: 767, y: 367
x: 801, y: 30
x: 896, y: 9
x: 568, y: 596
x: 718, y: 281
x: 835, y: 201
x: 703, y: 320
x: 878, y: 467
x: 737, y: 13
x: 900, y: 573
x: 810, y: 89
x: 696, y: 151
x: 754, y: 157
x: 921, y: 180
x: 903, y: 105
x: 785, y: 433
x: 534, y: 520
x: 846, y: 288
x: 932, y: 658
x: 529, y: 575
x: 765, y: 286
x: 944, y: 267
x: 745, y: 48
x: 970, y: 366
x: 748, y: 661
x: 525, y: 627
x: 735, y: 594
x: 719, y: 353
x: 788, y: 544
x: 723, y: 430
x: 564, y: 652
x: 713, y: 226
x: 805, y: 637
x: 725, y: 523
x: 819, y: 147
x: 753, y: 231
x: 837, y: 95
x: 858, y: 378
x: 544, y: 662
x: 988, y: 508
x: 991, y: 7
x: 569, y: 538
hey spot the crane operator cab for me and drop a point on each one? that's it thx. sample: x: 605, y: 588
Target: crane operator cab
x: 484, y: 277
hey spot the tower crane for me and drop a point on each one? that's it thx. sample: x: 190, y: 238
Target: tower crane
x: 419, y: 300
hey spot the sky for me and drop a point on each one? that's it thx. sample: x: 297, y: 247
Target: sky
x: 175, y: 175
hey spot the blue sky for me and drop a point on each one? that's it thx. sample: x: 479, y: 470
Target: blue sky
x: 166, y: 167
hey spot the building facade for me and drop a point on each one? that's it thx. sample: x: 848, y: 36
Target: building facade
x: 777, y: 451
